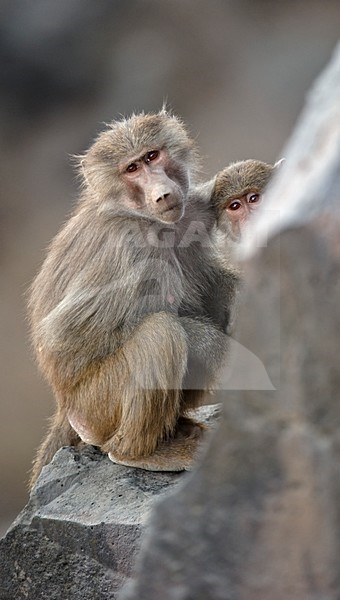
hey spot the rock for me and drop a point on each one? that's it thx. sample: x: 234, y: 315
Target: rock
x: 79, y: 533
x: 260, y: 517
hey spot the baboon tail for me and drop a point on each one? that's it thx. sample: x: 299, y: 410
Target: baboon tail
x: 60, y: 434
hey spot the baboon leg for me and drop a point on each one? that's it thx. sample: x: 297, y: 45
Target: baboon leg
x: 139, y: 395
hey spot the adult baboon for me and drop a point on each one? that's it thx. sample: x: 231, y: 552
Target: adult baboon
x: 129, y: 308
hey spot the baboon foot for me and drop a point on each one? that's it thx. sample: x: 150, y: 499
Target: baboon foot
x: 175, y: 454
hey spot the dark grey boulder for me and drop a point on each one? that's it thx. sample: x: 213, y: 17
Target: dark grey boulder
x: 260, y: 518
x: 78, y: 536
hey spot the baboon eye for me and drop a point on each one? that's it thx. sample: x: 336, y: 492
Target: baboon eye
x: 152, y: 155
x: 252, y: 198
x: 235, y: 205
x: 132, y: 168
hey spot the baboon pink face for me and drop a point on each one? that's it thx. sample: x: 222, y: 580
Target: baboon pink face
x: 239, y: 209
x: 154, y: 185
x: 239, y: 192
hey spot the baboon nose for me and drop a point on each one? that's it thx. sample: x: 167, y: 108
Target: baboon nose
x: 163, y: 196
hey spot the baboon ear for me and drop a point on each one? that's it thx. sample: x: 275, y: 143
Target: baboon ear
x: 279, y: 163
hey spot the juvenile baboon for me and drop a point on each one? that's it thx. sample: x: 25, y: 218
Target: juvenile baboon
x: 129, y: 308
x: 238, y: 193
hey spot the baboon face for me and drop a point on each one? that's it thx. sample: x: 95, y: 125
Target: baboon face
x: 240, y: 209
x: 238, y: 193
x: 142, y: 166
x: 155, y: 187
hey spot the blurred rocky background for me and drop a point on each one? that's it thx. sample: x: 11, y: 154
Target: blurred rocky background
x: 235, y: 70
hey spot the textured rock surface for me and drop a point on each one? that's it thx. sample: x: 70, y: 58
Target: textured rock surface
x: 78, y: 535
x: 260, y: 517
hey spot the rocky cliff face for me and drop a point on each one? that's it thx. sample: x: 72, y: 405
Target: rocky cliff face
x: 260, y: 517
x: 79, y: 534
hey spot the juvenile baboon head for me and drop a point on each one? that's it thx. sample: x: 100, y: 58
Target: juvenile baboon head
x: 238, y: 192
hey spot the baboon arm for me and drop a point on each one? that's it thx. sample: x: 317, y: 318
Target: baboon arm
x: 207, y: 350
